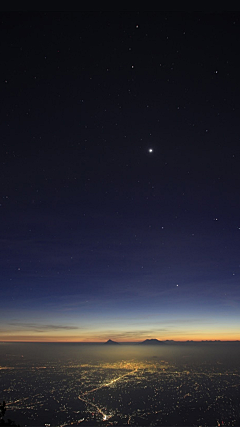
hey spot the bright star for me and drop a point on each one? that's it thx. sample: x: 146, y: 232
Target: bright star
x: 150, y: 150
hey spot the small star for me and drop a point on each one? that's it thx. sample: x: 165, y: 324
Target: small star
x: 150, y: 150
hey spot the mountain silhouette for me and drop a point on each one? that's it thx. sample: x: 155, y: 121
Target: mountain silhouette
x: 111, y: 342
x: 153, y: 341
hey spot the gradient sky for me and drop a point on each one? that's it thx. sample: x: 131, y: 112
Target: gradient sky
x: 120, y: 176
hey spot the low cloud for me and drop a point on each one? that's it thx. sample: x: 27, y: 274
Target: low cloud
x: 42, y: 328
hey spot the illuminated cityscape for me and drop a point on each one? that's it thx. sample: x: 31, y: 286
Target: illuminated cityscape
x: 152, y: 388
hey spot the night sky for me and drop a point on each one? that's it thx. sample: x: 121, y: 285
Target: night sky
x: 120, y: 176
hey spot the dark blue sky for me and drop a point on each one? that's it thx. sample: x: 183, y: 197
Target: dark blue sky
x: 100, y: 237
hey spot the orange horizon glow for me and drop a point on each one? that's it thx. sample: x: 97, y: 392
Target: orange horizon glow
x: 120, y: 342
x: 181, y: 333
x: 222, y: 338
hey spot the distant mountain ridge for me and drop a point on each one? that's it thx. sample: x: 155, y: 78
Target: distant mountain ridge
x: 111, y: 342
x: 152, y: 341
x: 155, y: 341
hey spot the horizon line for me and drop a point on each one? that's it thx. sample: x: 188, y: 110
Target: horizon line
x: 119, y: 342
